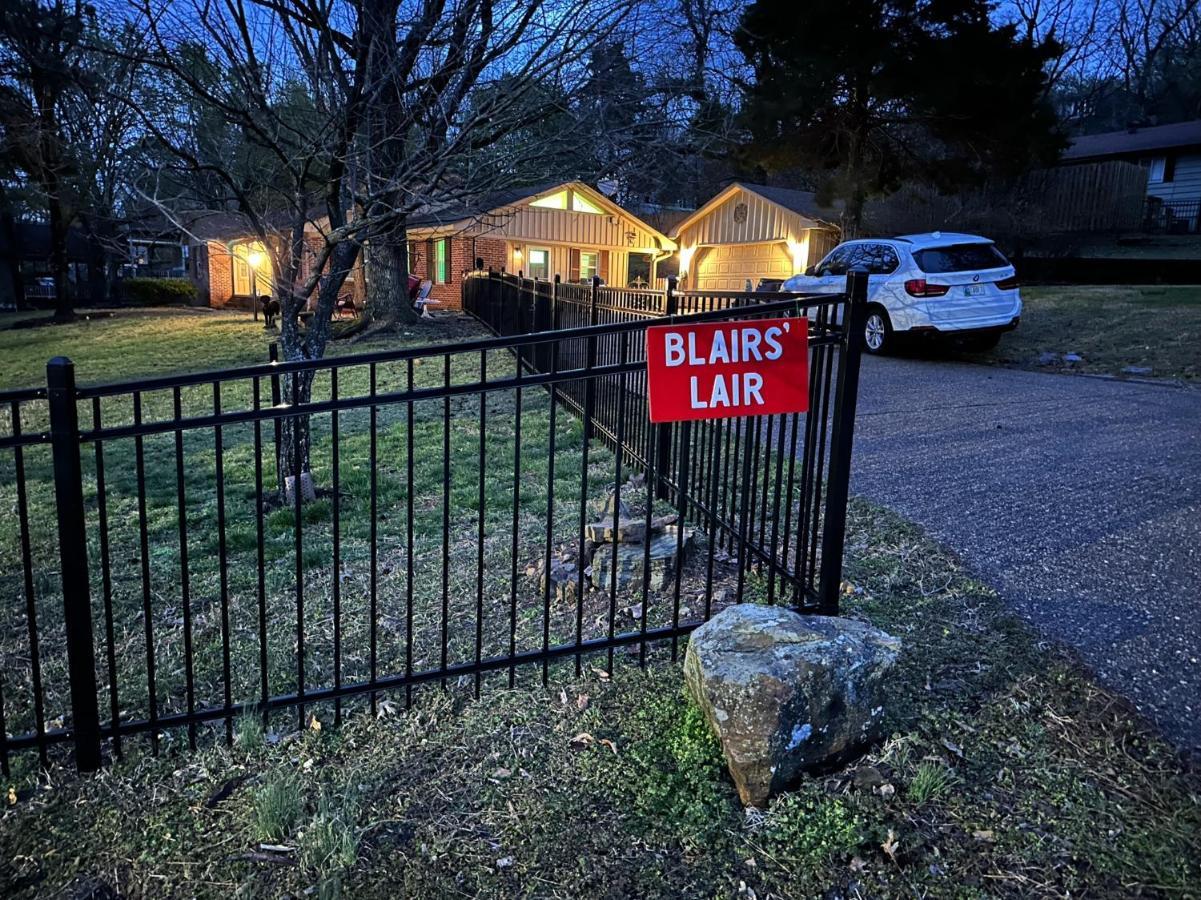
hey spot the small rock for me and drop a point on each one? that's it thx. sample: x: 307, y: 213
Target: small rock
x: 607, y: 508
x: 1048, y: 359
x: 564, y: 579
x: 1136, y: 370
x: 785, y: 692
x: 1072, y: 358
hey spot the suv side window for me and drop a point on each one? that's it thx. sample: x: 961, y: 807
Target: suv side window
x: 877, y: 259
x: 836, y: 262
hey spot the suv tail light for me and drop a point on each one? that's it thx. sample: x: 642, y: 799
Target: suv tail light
x: 919, y: 287
x: 1007, y: 284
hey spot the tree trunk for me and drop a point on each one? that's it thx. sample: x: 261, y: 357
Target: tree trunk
x: 295, y: 440
x: 293, y: 454
x: 386, y: 266
x: 63, y: 310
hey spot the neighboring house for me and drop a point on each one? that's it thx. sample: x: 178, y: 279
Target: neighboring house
x: 1171, y: 155
x: 564, y: 228
x: 749, y: 232
x: 26, y: 277
x: 231, y: 268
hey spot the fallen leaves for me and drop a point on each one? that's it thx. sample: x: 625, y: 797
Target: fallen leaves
x: 584, y: 740
x: 891, y: 845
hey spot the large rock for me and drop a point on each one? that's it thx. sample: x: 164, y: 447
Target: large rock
x: 785, y: 692
x: 629, y: 559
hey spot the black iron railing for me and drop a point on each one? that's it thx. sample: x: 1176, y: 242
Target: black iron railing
x: 160, y: 581
x: 1172, y: 216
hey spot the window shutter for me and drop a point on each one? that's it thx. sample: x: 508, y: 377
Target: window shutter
x: 602, y: 267
x: 574, y: 267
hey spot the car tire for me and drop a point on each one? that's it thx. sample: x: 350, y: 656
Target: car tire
x: 878, y: 336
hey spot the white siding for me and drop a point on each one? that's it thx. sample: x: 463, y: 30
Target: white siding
x: 1185, y: 186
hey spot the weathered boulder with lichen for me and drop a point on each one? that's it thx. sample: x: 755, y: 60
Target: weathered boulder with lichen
x: 785, y: 692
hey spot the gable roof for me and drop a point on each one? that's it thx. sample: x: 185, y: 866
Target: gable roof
x: 472, y: 210
x: 1135, y: 141
x: 802, y: 203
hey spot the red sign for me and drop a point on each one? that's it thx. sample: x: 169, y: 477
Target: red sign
x: 726, y: 369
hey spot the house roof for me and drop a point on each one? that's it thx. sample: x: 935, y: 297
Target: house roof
x: 803, y: 203
x: 1134, y: 141
x: 473, y: 209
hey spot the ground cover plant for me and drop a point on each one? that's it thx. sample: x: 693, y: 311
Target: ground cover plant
x: 1007, y: 773
x: 1110, y: 327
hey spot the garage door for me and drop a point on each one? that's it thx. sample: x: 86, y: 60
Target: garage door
x: 727, y: 268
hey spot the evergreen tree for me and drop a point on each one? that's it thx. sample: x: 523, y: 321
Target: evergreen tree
x: 869, y: 94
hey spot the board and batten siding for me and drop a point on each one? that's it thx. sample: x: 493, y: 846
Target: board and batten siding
x: 1185, y: 186
x: 531, y: 224
x: 765, y: 221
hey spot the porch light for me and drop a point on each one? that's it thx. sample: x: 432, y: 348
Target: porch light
x: 798, y: 251
x: 686, y: 258
x: 256, y: 258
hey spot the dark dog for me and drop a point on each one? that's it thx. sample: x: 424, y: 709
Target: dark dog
x: 270, y: 310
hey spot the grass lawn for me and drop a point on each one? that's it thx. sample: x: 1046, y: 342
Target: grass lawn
x: 129, y: 344
x: 1007, y: 772
x: 1109, y: 327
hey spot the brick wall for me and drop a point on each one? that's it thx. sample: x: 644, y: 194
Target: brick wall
x: 220, y: 275
x: 463, y: 253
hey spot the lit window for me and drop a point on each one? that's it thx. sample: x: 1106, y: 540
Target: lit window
x: 554, y: 201
x: 440, y: 261
x: 540, y: 264
x: 580, y: 203
x: 589, y: 264
x: 1158, y: 164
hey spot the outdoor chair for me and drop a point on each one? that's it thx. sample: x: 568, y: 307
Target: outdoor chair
x: 423, y: 301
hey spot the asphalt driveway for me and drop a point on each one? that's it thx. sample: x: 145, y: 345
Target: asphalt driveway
x: 1078, y: 499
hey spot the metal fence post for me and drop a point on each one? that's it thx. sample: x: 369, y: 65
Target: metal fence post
x: 554, y: 301
x: 276, y: 399
x: 73, y: 556
x: 665, y: 433
x: 839, y: 479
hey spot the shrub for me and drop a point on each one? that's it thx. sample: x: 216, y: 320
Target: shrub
x: 158, y: 291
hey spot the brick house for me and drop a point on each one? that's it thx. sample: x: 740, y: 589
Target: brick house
x: 230, y: 268
x: 564, y: 228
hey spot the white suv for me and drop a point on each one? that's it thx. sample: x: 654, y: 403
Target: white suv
x: 941, y: 283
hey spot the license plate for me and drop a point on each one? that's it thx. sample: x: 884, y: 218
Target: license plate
x: 973, y: 290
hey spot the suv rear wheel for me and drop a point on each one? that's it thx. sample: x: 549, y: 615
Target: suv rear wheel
x: 877, y: 333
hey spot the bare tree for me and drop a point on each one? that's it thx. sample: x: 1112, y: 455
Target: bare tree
x: 340, y: 118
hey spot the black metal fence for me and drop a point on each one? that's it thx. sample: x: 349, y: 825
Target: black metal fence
x: 755, y: 484
x: 1172, y: 216
x: 158, y: 583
